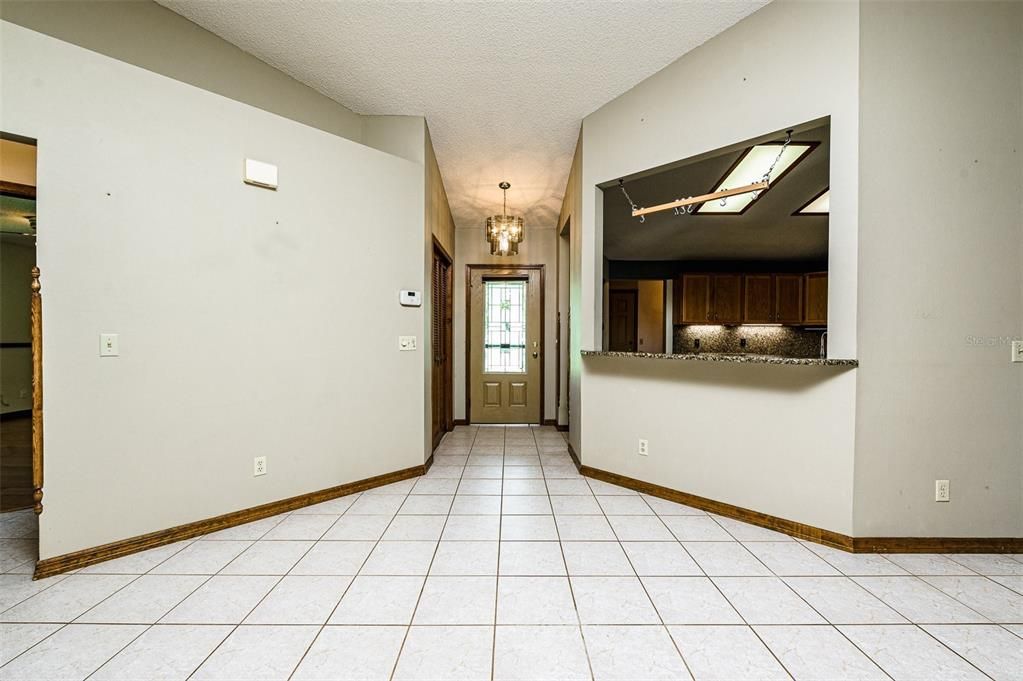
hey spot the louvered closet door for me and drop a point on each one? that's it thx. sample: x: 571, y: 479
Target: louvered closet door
x: 440, y: 345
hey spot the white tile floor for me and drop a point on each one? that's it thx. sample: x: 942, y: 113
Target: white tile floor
x: 503, y: 563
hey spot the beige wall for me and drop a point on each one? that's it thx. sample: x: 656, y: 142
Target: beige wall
x: 571, y: 217
x: 941, y: 269
x: 240, y: 326
x: 664, y: 119
x: 538, y: 248
x: 146, y: 34
x: 776, y: 439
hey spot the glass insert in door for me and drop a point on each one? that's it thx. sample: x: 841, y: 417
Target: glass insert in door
x: 504, y: 326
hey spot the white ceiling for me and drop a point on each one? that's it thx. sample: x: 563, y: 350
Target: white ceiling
x: 503, y: 85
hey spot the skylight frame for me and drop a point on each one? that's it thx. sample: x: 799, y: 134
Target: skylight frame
x: 810, y: 146
x: 802, y: 212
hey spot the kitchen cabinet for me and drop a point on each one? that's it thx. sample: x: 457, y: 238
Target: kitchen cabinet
x: 815, y: 286
x: 758, y: 307
x: 788, y: 298
x: 695, y: 299
x: 772, y: 299
x: 711, y: 299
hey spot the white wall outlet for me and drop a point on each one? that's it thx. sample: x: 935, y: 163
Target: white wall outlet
x: 941, y: 490
x: 407, y: 343
x: 259, y: 466
x: 109, y: 345
x: 644, y: 448
x: 1017, y: 351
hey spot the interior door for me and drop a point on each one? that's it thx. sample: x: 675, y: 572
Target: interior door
x: 440, y: 345
x: 623, y: 321
x: 505, y: 345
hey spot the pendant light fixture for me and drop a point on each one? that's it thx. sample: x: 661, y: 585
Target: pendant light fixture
x: 504, y: 232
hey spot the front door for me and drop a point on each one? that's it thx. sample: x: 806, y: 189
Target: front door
x: 505, y: 353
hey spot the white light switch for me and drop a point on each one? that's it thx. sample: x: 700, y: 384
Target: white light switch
x: 108, y: 346
x: 406, y: 343
x: 1017, y: 351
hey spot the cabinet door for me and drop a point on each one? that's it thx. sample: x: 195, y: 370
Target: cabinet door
x: 757, y: 299
x: 816, y: 295
x: 696, y: 299
x: 788, y: 299
x: 727, y: 300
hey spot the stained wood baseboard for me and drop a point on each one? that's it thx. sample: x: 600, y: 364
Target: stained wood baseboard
x: 124, y: 547
x: 809, y: 532
x: 461, y: 422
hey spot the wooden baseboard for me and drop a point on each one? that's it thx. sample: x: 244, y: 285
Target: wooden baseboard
x: 562, y: 428
x: 461, y: 422
x: 938, y: 544
x: 429, y: 462
x: 79, y: 559
x: 809, y: 532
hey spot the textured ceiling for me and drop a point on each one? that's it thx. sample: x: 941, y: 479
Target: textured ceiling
x: 766, y: 231
x: 503, y: 85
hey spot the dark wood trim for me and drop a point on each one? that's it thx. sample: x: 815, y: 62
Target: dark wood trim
x: 816, y: 196
x: 502, y: 270
x: 809, y: 532
x: 443, y: 251
x: 562, y: 428
x: 12, y: 137
x: 429, y: 462
x: 811, y: 144
x: 20, y: 414
x: 124, y: 547
x: 17, y: 191
x: 36, y: 320
x: 461, y: 422
x: 18, y: 344
x: 447, y: 370
x: 938, y: 544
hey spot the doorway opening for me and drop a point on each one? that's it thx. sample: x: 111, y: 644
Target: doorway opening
x: 440, y: 344
x: 504, y: 344
x: 563, y: 340
x: 20, y: 329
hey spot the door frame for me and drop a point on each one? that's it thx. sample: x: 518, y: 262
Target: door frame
x: 448, y: 340
x: 634, y: 293
x: 499, y: 271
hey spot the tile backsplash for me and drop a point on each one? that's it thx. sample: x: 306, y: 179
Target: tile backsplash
x: 782, y: 341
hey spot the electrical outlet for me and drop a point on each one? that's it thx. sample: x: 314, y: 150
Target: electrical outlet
x: 644, y: 448
x: 259, y: 466
x: 941, y: 490
x: 1017, y: 351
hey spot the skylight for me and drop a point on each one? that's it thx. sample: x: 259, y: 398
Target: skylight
x: 751, y: 168
x: 818, y: 205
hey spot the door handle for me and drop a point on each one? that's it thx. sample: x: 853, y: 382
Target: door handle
x: 535, y: 355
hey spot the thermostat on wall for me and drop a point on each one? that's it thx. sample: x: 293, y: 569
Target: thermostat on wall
x: 410, y: 298
x: 260, y: 174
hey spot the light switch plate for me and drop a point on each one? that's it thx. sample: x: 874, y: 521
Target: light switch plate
x: 109, y: 345
x: 407, y: 343
x: 1017, y: 351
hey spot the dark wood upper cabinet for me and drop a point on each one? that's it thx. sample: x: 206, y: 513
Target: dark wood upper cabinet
x: 788, y: 299
x: 726, y: 302
x: 816, y: 296
x: 696, y: 299
x: 758, y: 301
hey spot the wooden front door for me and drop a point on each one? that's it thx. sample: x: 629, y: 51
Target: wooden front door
x: 622, y: 321
x: 440, y: 345
x: 505, y: 345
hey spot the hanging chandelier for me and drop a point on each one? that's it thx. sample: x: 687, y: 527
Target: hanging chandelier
x: 504, y: 232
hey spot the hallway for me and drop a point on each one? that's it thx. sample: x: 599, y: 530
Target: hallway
x: 508, y: 564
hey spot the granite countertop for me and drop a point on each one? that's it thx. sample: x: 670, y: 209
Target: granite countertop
x: 737, y: 359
